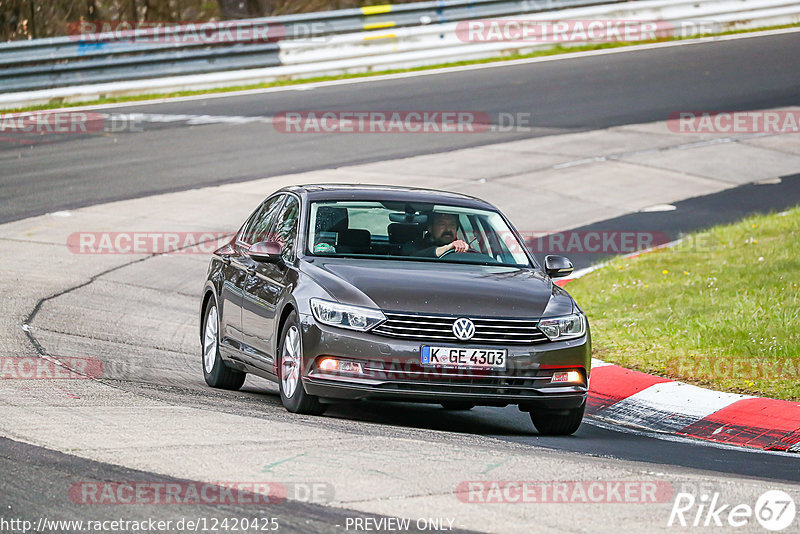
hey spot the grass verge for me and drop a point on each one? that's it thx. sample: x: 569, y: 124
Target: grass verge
x: 721, y: 309
x: 555, y: 50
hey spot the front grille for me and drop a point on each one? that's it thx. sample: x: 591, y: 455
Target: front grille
x: 414, y: 377
x: 440, y: 328
x: 471, y: 389
x: 415, y: 372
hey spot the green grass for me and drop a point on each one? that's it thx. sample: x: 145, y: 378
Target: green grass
x: 721, y: 309
x: 555, y: 50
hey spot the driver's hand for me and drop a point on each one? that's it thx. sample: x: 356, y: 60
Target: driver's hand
x: 459, y: 246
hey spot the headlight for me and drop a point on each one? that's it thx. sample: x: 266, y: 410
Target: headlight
x: 568, y: 327
x: 345, y: 316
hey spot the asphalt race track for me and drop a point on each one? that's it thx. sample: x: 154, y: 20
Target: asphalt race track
x: 172, y: 155
x: 33, y: 471
x: 577, y: 94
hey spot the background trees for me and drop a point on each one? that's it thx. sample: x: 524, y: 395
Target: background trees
x: 31, y: 19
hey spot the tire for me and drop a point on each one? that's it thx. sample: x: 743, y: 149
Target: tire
x: 557, y: 424
x: 460, y: 406
x: 290, y: 371
x: 216, y: 373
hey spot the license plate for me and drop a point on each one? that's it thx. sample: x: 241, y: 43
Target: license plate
x: 464, y: 358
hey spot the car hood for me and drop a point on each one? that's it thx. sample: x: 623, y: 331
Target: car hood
x: 440, y: 288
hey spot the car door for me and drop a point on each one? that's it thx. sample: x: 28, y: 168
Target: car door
x: 236, y: 276
x: 267, y: 283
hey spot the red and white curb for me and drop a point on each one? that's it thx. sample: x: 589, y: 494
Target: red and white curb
x: 663, y: 405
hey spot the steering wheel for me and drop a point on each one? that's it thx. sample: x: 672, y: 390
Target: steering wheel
x: 468, y: 251
x: 452, y: 250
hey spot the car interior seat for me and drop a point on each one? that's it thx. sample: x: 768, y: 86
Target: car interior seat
x: 402, y: 233
x: 354, y: 241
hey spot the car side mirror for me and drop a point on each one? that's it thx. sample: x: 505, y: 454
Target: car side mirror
x: 266, y: 251
x: 557, y: 266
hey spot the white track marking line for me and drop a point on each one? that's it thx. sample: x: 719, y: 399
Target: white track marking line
x: 198, y: 119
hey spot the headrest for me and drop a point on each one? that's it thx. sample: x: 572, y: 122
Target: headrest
x: 401, y: 233
x: 331, y: 219
x: 356, y: 239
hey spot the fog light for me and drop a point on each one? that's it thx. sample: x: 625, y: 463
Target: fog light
x: 328, y: 364
x: 333, y: 365
x: 569, y: 376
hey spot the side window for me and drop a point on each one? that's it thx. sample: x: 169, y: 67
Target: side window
x: 258, y: 229
x: 471, y: 233
x: 498, y: 244
x: 285, y: 230
x: 479, y: 235
x: 246, y: 229
x: 465, y: 225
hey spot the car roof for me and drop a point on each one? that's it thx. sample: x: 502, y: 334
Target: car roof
x: 387, y: 193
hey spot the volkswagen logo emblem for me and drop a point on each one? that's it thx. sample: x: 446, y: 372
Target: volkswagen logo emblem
x: 464, y: 329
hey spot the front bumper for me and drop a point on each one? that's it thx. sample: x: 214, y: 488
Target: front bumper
x: 392, y: 371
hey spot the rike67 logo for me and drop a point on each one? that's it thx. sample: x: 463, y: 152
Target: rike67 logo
x: 774, y: 510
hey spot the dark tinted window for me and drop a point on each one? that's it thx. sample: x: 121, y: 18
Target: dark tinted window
x: 258, y: 227
x: 285, y: 230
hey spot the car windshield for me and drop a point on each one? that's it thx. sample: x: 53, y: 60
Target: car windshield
x: 412, y: 231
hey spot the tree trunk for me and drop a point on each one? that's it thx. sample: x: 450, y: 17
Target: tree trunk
x: 91, y: 10
x: 242, y: 9
x: 32, y: 21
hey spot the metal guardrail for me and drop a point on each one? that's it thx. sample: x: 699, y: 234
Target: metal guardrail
x: 334, y: 42
x: 418, y: 45
x: 97, y: 58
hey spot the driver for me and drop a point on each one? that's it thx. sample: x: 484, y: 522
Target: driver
x: 440, y: 238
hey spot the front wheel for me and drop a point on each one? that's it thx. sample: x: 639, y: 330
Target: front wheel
x: 216, y: 373
x: 290, y: 371
x: 551, y: 423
